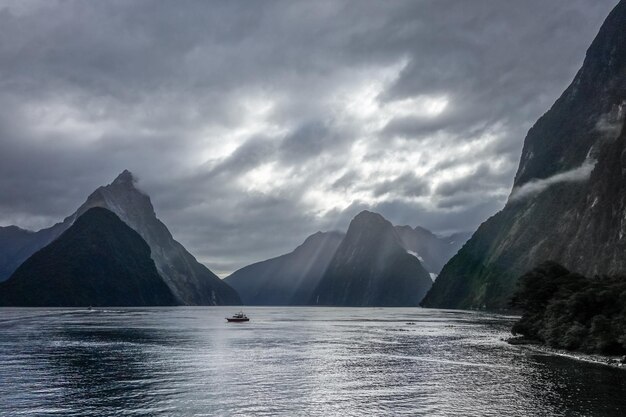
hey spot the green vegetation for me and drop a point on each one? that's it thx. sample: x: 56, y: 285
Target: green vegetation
x: 566, y: 310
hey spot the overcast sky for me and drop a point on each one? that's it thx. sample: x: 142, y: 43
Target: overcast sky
x: 253, y: 124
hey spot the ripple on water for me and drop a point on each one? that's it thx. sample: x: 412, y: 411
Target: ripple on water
x: 287, y: 361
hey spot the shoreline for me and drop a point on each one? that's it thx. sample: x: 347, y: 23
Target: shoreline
x: 616, y: 362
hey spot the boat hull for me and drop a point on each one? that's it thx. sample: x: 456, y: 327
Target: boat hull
x: 232, y: 320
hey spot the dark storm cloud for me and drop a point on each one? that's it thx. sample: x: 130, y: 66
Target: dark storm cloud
x: 250, y: 154
x: 407, y: 185
x: 346, y: 181
x: 311, y: 139
x: 458, y: 121
x: 254, y: 124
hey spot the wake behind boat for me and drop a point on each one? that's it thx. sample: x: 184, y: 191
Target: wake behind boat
x: 237, y: 318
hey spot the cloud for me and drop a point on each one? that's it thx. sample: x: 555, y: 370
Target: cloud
x: 248, y: 155
x: 307, y: 141
x: 248, y: 119
x: 612, y: 123
x: 535, y: 187
x: 407, y: 185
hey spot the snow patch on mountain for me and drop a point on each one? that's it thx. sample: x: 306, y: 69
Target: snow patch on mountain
x: 417, y: 255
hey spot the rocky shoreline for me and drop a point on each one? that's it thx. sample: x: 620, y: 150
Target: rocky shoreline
x: 538, y: 347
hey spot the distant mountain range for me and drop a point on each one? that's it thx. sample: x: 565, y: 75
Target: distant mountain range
x: 568, y: 202
x: 17, y: 244
x: 292, y: 279
x: 97, y: 261
x: 433, y: 251
x: 190, y: 282
x: 373, y: 264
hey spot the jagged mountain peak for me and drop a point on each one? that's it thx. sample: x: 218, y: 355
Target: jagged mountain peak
x: 126, y: 181
x: 121, y: 196
x: 126, y: 178
x: 125, y: 184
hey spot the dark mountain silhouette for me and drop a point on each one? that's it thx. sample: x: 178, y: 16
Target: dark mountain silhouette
x: 190, y: 282
x: 16, y: 245
x: 98, y: 261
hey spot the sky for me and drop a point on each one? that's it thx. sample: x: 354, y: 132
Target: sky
x: 253, y: 124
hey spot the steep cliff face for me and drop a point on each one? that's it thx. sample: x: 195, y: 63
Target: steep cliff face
x: 98, y: 261
x: 288, y: 279
x: 372, y: 268
x: 190, y: 282
x: 567, y: 203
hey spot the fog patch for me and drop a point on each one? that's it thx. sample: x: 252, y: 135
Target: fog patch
x: 535, y: 187
x: 611, y: 123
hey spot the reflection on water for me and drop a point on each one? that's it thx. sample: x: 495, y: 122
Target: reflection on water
x: 287, y: 361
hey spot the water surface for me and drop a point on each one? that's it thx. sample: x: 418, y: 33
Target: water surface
x: 287, y: 361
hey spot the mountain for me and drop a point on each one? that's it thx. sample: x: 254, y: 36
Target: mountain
x: 12, y: 239
x: 16, y: 245
x: 98, y: 261
x: 433, y: 251
x: 288, y: 279
x: 569, y: 194
x: 190, y: 282
x: 372, y: 268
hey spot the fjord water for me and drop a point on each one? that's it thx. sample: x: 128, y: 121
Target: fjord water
x: 288, y: 361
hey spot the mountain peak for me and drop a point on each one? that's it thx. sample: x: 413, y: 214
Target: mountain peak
x: 369, y: 217
x: 420, y: 229
x: 372, y: 268
x: 126, y: 178
x: 606, y: 58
